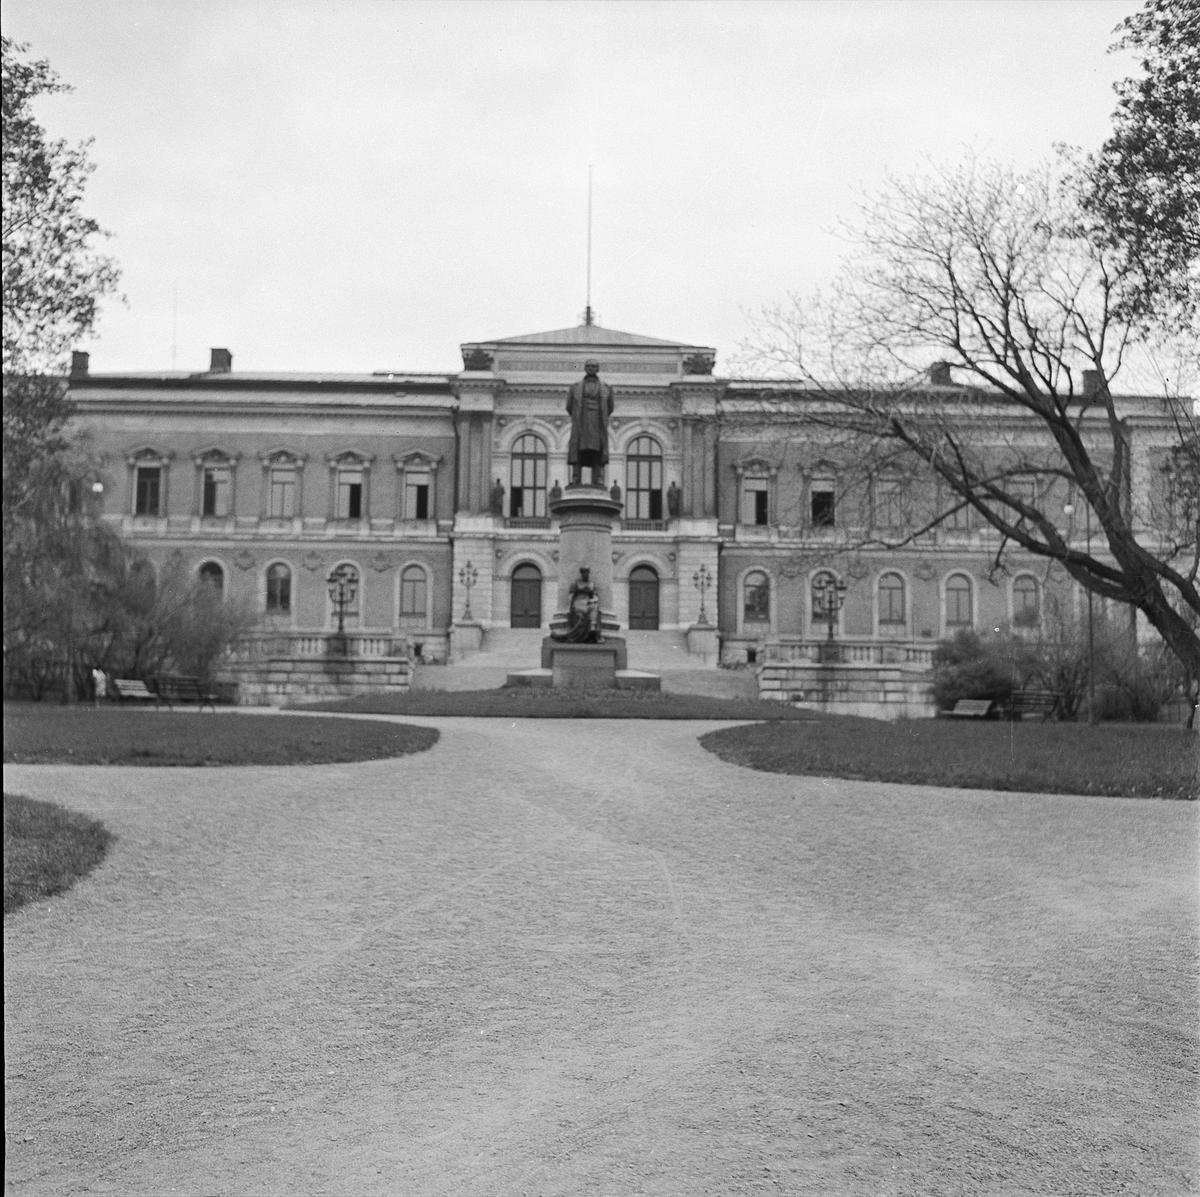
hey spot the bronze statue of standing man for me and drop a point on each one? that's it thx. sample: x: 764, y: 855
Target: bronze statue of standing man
x: 589, y: 404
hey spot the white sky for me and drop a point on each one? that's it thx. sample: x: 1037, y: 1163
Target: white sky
x: 357, y: 185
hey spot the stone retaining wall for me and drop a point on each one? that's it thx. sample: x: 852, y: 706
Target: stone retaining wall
x: 875, y: 691
x: 274, y: 681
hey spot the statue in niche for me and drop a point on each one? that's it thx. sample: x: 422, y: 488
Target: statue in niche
x: 496, y: 502
x: 583, y: 612
x: 589, y: 404
x: 674, y: 497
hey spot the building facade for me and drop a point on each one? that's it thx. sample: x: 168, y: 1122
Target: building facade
x: 432, y: 490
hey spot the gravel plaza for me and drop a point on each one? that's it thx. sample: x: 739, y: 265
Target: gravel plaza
x: 569, y: 957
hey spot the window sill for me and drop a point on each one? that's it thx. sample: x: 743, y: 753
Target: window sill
x: 528, y: 521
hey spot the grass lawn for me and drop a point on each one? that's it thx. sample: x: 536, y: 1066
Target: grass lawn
x: 46, y: 849
x: 1120, y: 760
x: 529, y: 703
x: 38, y: 734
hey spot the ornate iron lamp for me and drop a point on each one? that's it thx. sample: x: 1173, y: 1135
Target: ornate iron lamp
x: 829, y: 593
x: 343, y: 590
x: 702, y: 580
x: 467, y: 576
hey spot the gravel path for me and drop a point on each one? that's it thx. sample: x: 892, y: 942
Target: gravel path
x: 590, y: 958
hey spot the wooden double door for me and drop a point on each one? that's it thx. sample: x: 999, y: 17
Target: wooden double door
x: 643, y: 600
x: 526, y: 604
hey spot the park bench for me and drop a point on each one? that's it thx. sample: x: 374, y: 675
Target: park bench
x: 1032, y: 702
x: 970, y: 708
x: 173, y: 689
x: 133, y: 690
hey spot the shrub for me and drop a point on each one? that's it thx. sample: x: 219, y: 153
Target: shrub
x: 968, y: 666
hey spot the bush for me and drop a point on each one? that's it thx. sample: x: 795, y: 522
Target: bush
x: 968, y: 666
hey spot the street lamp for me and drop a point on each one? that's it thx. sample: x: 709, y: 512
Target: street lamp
x: 343, y: 588
x: 702, y: 580
x: 468, y: 576
x: 1069, y: 510
x: 829, y: 593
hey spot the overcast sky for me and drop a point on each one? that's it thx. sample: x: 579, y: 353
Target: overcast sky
x: 356, y: 186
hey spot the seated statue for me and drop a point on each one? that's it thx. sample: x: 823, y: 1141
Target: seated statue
x: 583, y: 613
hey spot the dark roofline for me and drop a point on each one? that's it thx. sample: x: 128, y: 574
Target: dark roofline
x: 366, y: 384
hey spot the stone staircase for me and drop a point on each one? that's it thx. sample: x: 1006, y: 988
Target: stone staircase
x: 508, y: 650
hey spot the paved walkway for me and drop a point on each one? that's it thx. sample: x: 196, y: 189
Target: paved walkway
x: 590, y: 958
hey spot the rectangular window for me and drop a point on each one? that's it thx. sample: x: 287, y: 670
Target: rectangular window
x: 416, y: 496
x: 755, y: 503
x: 958, y: 520
x: 1024, y: 490
x: 517, y: 502
x: 147, y: 496
x: 283, y: 494
x: 349, y: 494
x: 216, y: 490
x: 822, y: 505
x: 889, y: 505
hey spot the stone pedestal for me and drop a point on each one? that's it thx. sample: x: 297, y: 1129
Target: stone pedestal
x: 584, y: 666
x: 586, y: 515
x: 703, y: 642
x: 466, y: 638
x: 615, y: 644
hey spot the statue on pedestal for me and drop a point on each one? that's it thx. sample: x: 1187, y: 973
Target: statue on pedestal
x: 583, y: 613
x: 496, y: 500
x: 555, y: 492
x: 674, y: 495
x: 589, y: 404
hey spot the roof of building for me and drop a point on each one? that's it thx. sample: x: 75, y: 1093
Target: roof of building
x: 586, y: 334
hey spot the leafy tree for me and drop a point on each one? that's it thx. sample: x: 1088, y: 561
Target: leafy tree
x: 54, y: 279
x: 1143, y: 188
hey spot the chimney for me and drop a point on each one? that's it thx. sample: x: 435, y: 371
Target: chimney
x: 79, y: 364
x: 1091, y: 383
x: 221, y: 363
x: 939, y: 375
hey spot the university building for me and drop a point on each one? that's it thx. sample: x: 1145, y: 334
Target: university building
x: 432, y: 492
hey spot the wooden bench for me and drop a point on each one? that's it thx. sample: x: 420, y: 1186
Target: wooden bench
x: 132, y: 690
x: 1032, y: 702
x: 970, y: 708
x: 172, y: 689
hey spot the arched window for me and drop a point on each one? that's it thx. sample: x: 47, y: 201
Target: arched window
x: 958, y: 603
x: 892, y: 615
x: 1027, y: 604
x: 527, y: 480
x: 413, y: 596
x: 756, y: 592
x: 211, y: 574
x: 643, y: 480
x: 279, y: 589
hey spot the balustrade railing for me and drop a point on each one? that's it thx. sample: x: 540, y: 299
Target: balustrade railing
x: 853, y: 652
x: 258, y: 646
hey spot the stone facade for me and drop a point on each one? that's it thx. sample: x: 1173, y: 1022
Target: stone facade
x: 421, y: 483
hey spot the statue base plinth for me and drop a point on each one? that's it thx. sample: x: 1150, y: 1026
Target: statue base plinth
x: 613, y: 644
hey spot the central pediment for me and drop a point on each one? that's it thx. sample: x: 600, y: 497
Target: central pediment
x: 562, y: 352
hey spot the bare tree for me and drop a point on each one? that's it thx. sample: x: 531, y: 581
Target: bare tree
x: 977, y: 334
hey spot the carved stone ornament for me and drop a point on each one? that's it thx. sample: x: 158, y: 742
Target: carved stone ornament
x: 616, y: 558
x: 244, y: 560
x: 698, y: 363
x: 311, y: 561
x: 477, y: 359
x: 792, y: 569
x: 925, y: 571
x: 857, y: 568
x: 381, y: 562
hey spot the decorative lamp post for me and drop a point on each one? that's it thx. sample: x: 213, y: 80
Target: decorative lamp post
x: 829, y: 593
x: 467, y: 576
x: 702, y: 580
x: 343, y: 589
x: 1069, y: 510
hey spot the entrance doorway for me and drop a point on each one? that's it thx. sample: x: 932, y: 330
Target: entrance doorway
x: 643, y: 599
x: 526, y: 597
